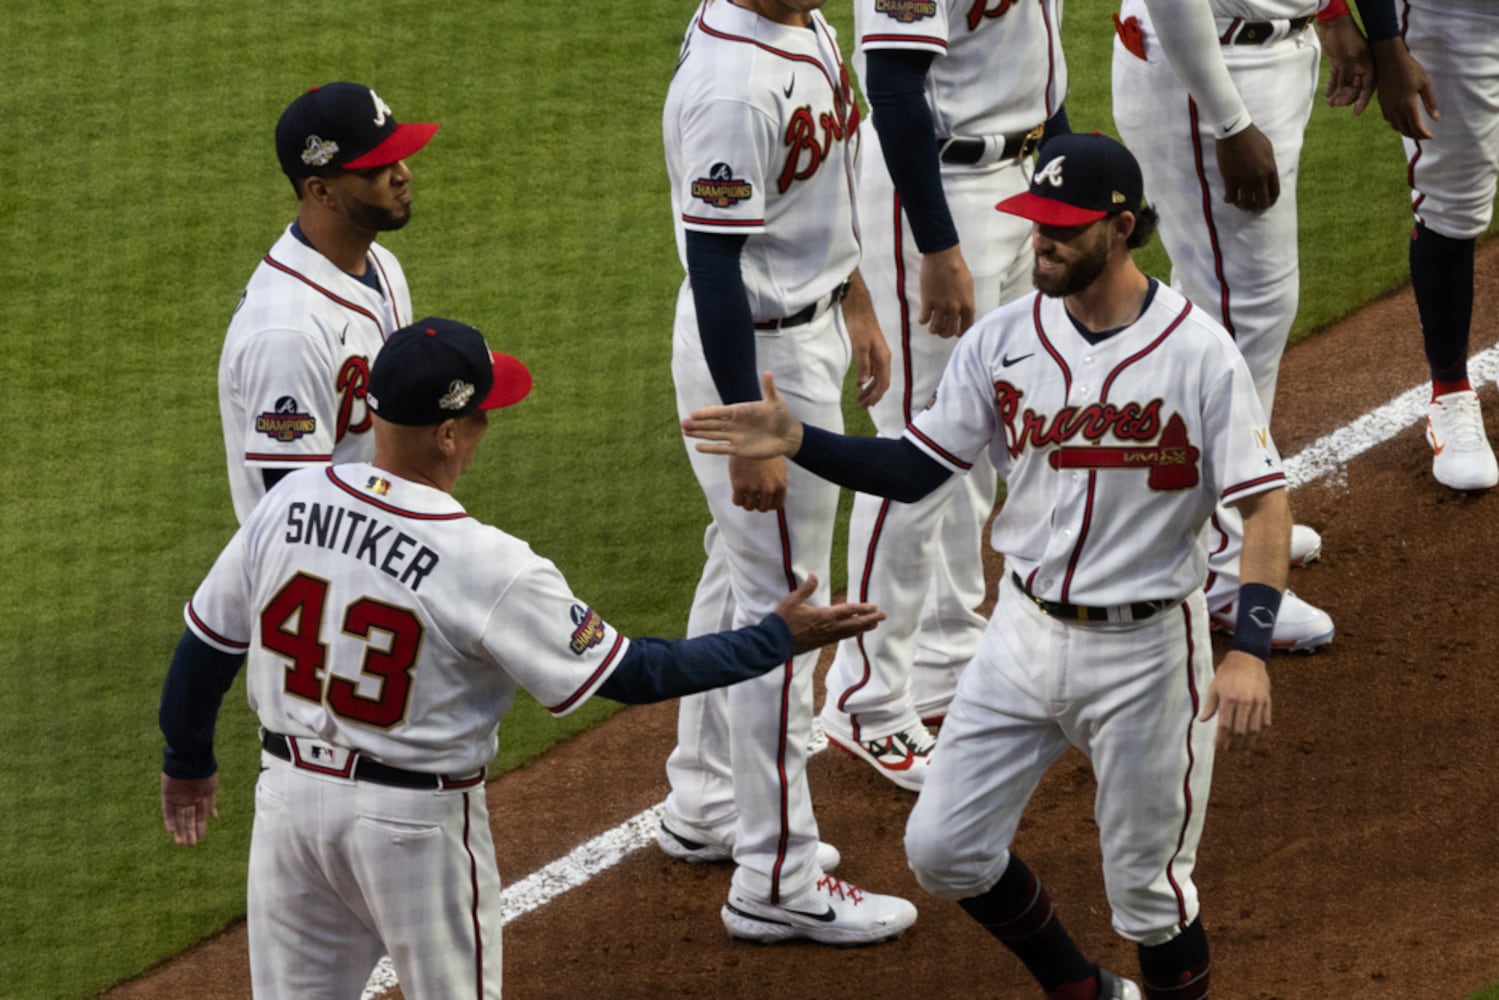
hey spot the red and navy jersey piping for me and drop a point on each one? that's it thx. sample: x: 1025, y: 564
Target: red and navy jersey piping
x: 352, y: 306
x: 593, y: 679
x: 391, y: 508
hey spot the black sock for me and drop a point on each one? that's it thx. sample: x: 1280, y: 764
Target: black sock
x: 1178, y: 969
x: 1442, y: 278
x: 1020, y: 914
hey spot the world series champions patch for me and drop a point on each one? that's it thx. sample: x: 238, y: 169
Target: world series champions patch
x: 906, y: 11
x: 286, y: 422
x: 721, y: 188
x: 589, y: 631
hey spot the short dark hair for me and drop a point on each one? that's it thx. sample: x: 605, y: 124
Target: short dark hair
x: 1146, y: 220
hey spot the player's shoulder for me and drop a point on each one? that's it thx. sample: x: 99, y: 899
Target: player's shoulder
x: 1192, y: 322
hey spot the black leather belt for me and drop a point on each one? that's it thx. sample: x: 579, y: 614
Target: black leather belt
x: 361, y: 768
x: 1137, y: 612
x: 968, y: 151
x: 804, y: 316
x: 1260, y: 32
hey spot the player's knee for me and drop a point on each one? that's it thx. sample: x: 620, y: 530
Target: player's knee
x: 947, y: 873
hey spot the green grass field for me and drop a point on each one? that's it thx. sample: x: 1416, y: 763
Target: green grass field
x: 142, y: 187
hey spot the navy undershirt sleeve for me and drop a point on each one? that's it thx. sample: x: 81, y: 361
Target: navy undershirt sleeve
x: 190, y: 699
x: 724, y: 321
x: 1380, y: 20
x: 274, y: 476
x: 895, y: 83
x: 658, y: 669
x: 884, y: 467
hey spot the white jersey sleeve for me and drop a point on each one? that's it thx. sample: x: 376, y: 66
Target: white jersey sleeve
x: 960, y: 421
x: 724, y: 146
x: 553, y: 644
x: 1239, y: 456
x: 219, y: 612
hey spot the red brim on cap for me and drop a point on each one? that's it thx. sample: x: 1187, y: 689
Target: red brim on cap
x: 512, y: 382
x: 1048, y: 212
x: 405, y: 140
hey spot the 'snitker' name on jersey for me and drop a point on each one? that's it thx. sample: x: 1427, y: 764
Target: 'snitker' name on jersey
x: 362, y: 537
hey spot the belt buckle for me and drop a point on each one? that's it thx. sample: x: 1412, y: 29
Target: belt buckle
x: 1032, y: 141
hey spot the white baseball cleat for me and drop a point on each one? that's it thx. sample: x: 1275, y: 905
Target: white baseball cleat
x: 1112, y: 987
x: 686, y: 842
x: 1306, y: 545
x: 904, y: 756
x: 830, y: 912
x: 1299, y: 626
x: 1461, y: 458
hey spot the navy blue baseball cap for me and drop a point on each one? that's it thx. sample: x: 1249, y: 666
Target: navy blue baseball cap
x: 1080, y: 177
x: 436, y: 369
x: 343, y: 126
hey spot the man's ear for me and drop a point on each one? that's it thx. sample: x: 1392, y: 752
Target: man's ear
x: 446, y: 436
x: 1124, y: 225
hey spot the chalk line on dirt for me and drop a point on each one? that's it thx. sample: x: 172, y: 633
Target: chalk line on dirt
x: 1323, y: 457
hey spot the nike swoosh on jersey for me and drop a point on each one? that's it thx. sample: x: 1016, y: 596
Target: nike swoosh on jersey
x: 1007, y: 361
x: 789, y: 87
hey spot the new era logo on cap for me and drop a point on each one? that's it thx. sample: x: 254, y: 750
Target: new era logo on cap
x: 343, y: 126
x: 437, y: 369
x: 1079, y: 179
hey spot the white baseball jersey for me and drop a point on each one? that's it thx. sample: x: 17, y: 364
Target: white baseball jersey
x: 998, y: 66
x: 1113, y: 454
x: 1453, y: 175
x: 759, y: 130
x: 379, y: 617
x: 296, y: 361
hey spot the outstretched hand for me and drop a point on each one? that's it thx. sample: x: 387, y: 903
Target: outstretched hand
x: 762, y: 429
x: 813, y: 627
x: 1240, y: 697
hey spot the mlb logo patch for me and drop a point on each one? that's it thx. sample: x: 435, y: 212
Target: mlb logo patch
x: 378, y: 486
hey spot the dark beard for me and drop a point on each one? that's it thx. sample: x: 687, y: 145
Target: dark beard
x: 1078, y: 276
x: 377, y: 219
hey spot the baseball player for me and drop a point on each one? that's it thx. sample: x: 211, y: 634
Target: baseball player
x: 958, y: 94
x: 759, y: 128
x: 1220, y: 92
x: 1118, y: 415
x: 296, y: 361
x: 1445, y: 59
x: 386, y: 631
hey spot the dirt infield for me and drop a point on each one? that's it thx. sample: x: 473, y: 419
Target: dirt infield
x: 1351, y: 854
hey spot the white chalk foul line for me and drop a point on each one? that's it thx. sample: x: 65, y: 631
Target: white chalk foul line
x: 1323, y: 457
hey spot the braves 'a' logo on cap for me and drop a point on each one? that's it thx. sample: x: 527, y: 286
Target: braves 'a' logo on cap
x: 458, y: 394
x: 319, y: 152
x: 286, y: 421
x: 382, y: 110
x: 1050, y: 174
x: 721, y: 188
x: 589, y: 631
